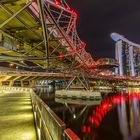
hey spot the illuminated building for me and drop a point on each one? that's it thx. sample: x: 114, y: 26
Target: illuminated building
x: 128, y: 55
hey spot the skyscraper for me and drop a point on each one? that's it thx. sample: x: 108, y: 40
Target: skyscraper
x: 128, y: 55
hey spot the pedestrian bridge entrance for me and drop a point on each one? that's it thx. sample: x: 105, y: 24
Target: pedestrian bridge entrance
x: 24, y: 116
x: 16, y: 117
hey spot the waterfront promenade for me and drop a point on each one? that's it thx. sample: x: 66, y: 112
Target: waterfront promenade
x: 16, y: 117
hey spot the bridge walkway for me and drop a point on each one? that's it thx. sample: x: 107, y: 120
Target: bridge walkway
x: 16, y: 117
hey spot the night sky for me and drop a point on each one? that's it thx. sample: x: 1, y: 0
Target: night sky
x: 98, y: 18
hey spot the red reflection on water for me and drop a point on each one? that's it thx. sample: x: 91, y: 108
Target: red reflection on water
x: 88, y: 129
x: 84, y: 129
x: 107, y: 105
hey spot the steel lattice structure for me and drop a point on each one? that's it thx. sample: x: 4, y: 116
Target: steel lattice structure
x: 42, y: 32
x: 64, y: 28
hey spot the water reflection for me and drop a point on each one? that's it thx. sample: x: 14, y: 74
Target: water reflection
x: 128, y: 118
x: 116, y: 117
x: 67, y: 102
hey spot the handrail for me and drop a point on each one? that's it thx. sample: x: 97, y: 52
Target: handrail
x: 47, y: 121
x: 70, y: 135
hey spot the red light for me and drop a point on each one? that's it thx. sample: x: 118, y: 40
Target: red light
x: 83, y: 45
x: 84, y: 129
x: 60, y: 56
x: 97, y: 108
x: 89, y: 119
x: 72, y: 52
x: 92, y: 120
x: 67, y: 8
x: 104, y: 106
x: 88, y: 129
x: 94, y: 66
x: 98, y: 116
x: 56, y: 2
x: 109, y: 107
x: 102, y: 112
x: 75, y: 13
x: 97, y: 123
x: 101, y: 62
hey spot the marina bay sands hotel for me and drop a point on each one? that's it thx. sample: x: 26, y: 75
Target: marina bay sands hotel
x: 128, y: 55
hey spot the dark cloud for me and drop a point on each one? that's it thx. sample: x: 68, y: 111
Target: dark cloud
x: 98, y: 18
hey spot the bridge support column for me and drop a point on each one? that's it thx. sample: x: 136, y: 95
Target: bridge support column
x: 0, y: 83
x: 32, y: 83
x: 22, y: 85
x: 44, y: 29
x: 11, y: 83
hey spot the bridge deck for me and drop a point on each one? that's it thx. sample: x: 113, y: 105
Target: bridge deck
x: 16, y: 117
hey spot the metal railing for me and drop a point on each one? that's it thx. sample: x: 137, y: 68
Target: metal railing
x: 49, y: 126
x: 70, y: 135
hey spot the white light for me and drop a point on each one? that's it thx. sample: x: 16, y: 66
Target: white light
x: 74, y: 116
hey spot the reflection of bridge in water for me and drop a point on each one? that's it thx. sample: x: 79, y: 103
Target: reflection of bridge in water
x: 127, y: 106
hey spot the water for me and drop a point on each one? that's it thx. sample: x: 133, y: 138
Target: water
x: 116, y: 117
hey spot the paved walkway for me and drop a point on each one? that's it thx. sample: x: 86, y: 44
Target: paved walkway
x: 16, y: 117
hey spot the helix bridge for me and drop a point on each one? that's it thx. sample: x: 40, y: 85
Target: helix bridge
x: 41, y: 34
